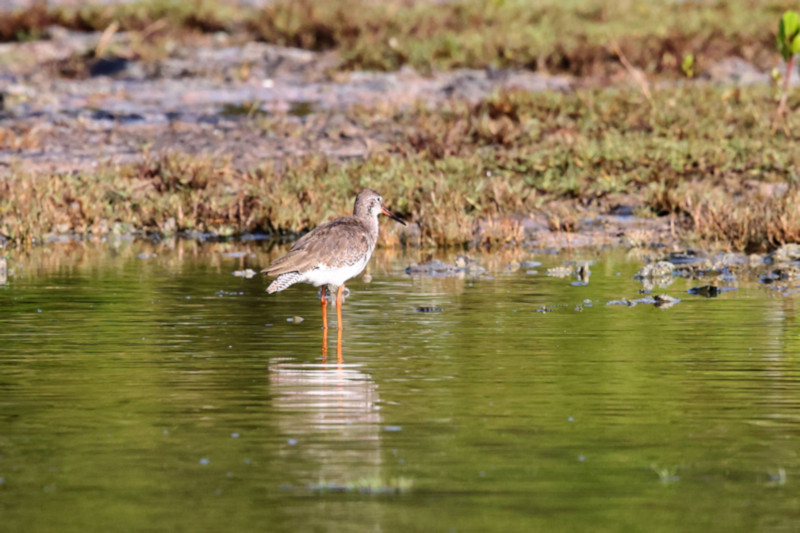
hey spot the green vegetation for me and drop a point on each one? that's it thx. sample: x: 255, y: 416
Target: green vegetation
x: 517, y: 33
x: 464, y: 173
x: 443, y: 35
x: 788, y: 40
x: 687, y: 65
x: 789, y: 35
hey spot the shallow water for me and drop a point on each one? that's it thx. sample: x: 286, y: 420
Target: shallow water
x: 143, y: 387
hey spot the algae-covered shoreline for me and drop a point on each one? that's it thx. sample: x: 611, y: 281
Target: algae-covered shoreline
x: 187, y: 128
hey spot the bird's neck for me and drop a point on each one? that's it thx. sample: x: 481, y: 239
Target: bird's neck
x: 369, y: 222
x: 372, y: 225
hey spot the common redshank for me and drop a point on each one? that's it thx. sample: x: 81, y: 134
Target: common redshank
x: 332, y: 253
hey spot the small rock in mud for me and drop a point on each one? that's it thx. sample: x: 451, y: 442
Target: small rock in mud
x: 170, y: 226
x: 366, y: 278
x: 789, y: 272
x: 434, y: 267
x: 735, y: 71
x: 559, y: 271
x: 464, y: 266
x: 469, y: 266
x: 475, y: 271
x: 782, y: 272
x: 583, y: 274
x: 686, y: 257
x: 723, y: 265
x: 429, y: 309
x: 788, y: 253
x: 707, y: 291
x: 530, y: 264
x: 694, y: 270
x: 658, y: 274
x: 665, y: 301
x: 246, y: 273
x: 660, y: 269
x: 624, y: 301
x: 727, y: 261
x: 755, y: 260
x: 295, y: 319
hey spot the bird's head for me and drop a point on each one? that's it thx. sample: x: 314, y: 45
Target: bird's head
x: 370, y: 204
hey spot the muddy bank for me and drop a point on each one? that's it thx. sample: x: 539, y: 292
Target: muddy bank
x: 235, y: 102
x: 213, y: 134
x: 63, y: 109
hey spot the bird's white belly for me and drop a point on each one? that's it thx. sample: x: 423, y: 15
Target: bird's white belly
x: 325, y: 275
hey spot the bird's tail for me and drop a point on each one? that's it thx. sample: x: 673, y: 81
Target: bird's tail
x: 283, y: 281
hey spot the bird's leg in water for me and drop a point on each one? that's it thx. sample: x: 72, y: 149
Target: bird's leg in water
x: 339, y: 306
x: 324, y: 301
x: 339, y: 346
x: 324, y: 346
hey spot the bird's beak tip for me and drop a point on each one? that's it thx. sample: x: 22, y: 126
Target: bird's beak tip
x: 392, y: 215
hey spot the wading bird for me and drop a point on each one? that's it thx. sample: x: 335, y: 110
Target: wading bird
x: 332, y: 253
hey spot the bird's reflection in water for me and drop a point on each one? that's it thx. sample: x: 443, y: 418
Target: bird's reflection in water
x: 330, y: 417
x: 325, y: 346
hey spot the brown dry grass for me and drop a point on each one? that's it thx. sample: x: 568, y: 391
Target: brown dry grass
x: 582, y: 37
x: 466, y: 173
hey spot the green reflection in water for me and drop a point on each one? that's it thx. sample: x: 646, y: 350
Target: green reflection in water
x: 144, y: 387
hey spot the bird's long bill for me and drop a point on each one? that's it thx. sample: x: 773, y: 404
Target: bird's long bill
x: 392, y: 215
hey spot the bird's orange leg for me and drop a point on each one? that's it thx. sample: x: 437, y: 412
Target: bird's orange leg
x: 324, y: 302
x: 324, y: 346
x: 339, y: 346
x: 339, y: 306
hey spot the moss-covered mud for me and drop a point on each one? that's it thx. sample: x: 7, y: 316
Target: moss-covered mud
x: 172, y: 128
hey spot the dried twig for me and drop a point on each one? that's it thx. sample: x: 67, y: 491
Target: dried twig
x: 634, y: 72
x: 105, y: 39
x: 780, y: 113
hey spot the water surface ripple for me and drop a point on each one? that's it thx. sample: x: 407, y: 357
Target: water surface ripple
x: 144, y: 387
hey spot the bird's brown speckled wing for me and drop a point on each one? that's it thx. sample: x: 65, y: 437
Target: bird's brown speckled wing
x: 342, y: 241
